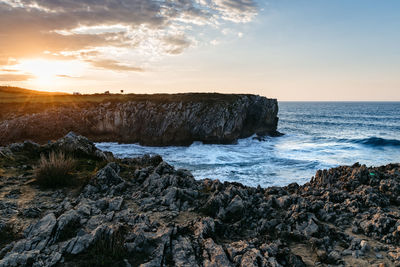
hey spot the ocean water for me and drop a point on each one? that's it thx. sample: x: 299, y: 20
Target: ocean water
x: 318, y: 135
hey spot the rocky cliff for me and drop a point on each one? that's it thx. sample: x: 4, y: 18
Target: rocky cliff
x: 156, y: 120
x: 143, y: 212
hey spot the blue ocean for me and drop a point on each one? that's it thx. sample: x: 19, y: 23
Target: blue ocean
x: 317, y: 135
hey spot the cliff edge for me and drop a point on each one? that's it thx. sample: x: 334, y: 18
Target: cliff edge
x: 154, y: 120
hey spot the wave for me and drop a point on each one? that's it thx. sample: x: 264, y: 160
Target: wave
x: 377, y: 142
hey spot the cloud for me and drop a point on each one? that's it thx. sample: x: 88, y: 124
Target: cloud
x: 15, y: 77
x: 214, y: 42
x: 175, y: 44
x: 237, y: 10
x: 57, y: 28
x: 113, y: 65
x: 67, y: 76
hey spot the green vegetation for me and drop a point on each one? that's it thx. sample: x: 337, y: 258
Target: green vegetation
x: 20, y: 95
x: 56, y: 170
x: 39, y: 161
x: 16, y: 102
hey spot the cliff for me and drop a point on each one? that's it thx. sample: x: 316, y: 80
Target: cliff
x: 143, y: 212
x: 154, y: 120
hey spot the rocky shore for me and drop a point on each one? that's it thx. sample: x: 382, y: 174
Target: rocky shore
x: 153, y: 120
x: 143, y: 212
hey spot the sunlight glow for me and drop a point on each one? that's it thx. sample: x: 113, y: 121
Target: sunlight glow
x: 47, y: 71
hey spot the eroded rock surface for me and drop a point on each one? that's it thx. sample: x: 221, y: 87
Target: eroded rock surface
x: 143, y: 212
x: 156, y: 120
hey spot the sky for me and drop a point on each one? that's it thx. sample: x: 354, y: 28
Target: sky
x: 331, y: 50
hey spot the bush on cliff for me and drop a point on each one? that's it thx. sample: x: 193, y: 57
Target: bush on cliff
x: 55, y: 170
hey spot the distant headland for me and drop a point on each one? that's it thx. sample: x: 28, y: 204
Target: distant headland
x: 154, y: 120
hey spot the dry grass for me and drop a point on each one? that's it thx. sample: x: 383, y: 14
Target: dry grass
x: 55, y: 170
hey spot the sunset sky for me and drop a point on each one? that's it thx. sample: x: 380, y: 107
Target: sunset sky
x: 286, y: 49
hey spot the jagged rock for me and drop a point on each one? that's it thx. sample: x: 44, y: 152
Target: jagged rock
x: 284, y: 201
x: 69, y: 219
x: 25, y: 146
x: 205, y: 228
x: 235, y: 250
x: 364, y: 246
x: 24, y: 258
x: 143, y: 212
x: 183, y: 252
x: 308, y: 228
x: 253, y: 258
x: 78, y: 145
x: 296, y: 261
x: 158, y: 120
x: 395, y: 255
x: 5, y: 152
x: 334, y: 256
x: 43, y: 227
x: 31, y: 212
x: 115, y: 204
x: 234, y: 210
x: 214, y: 255
x: 107, y: 177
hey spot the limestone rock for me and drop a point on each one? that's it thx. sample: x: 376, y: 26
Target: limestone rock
x: 156, y: 120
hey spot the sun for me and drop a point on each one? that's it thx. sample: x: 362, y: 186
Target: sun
x: 47, y: 71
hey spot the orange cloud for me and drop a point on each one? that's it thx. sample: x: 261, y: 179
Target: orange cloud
x: 66, y: 29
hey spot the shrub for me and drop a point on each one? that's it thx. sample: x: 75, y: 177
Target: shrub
x: 56, y: 170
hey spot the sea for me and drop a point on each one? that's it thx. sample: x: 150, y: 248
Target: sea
x: 317, y: 135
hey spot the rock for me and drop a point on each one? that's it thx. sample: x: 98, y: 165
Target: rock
x: 253, y: 258
x: 205, y: 228
x: 31, y: 212
x: 67, y: 222
x: 235, y: 250
x: 347, y: 252
x: 308, y: 228
x: 294, y: 260
x: 379, y: 256
x: 364, y: 246
x: 115, y: 204
x: 26, y: 258
x: 102, y: 204
x: 79, y: 146
x: 283, y: 202
x: 321, y: 254
x: 6, y: 153
x: 214, y: 255
x: 234, y: 210
x: 153, y: 120
x: 28, y: 146
x: 167, y: 218
x: 107, y: 177
x: 13, y: 194
x: 334, y: 256
x: 356, y: 254
x: 183, y: 253
x: 43, y: 228
x: 394, y: 255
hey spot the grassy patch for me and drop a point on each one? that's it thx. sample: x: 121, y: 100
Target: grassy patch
x: 55, y: 170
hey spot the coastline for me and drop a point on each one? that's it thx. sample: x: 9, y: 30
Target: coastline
x: 155, y: 215
x: 151, y: 120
